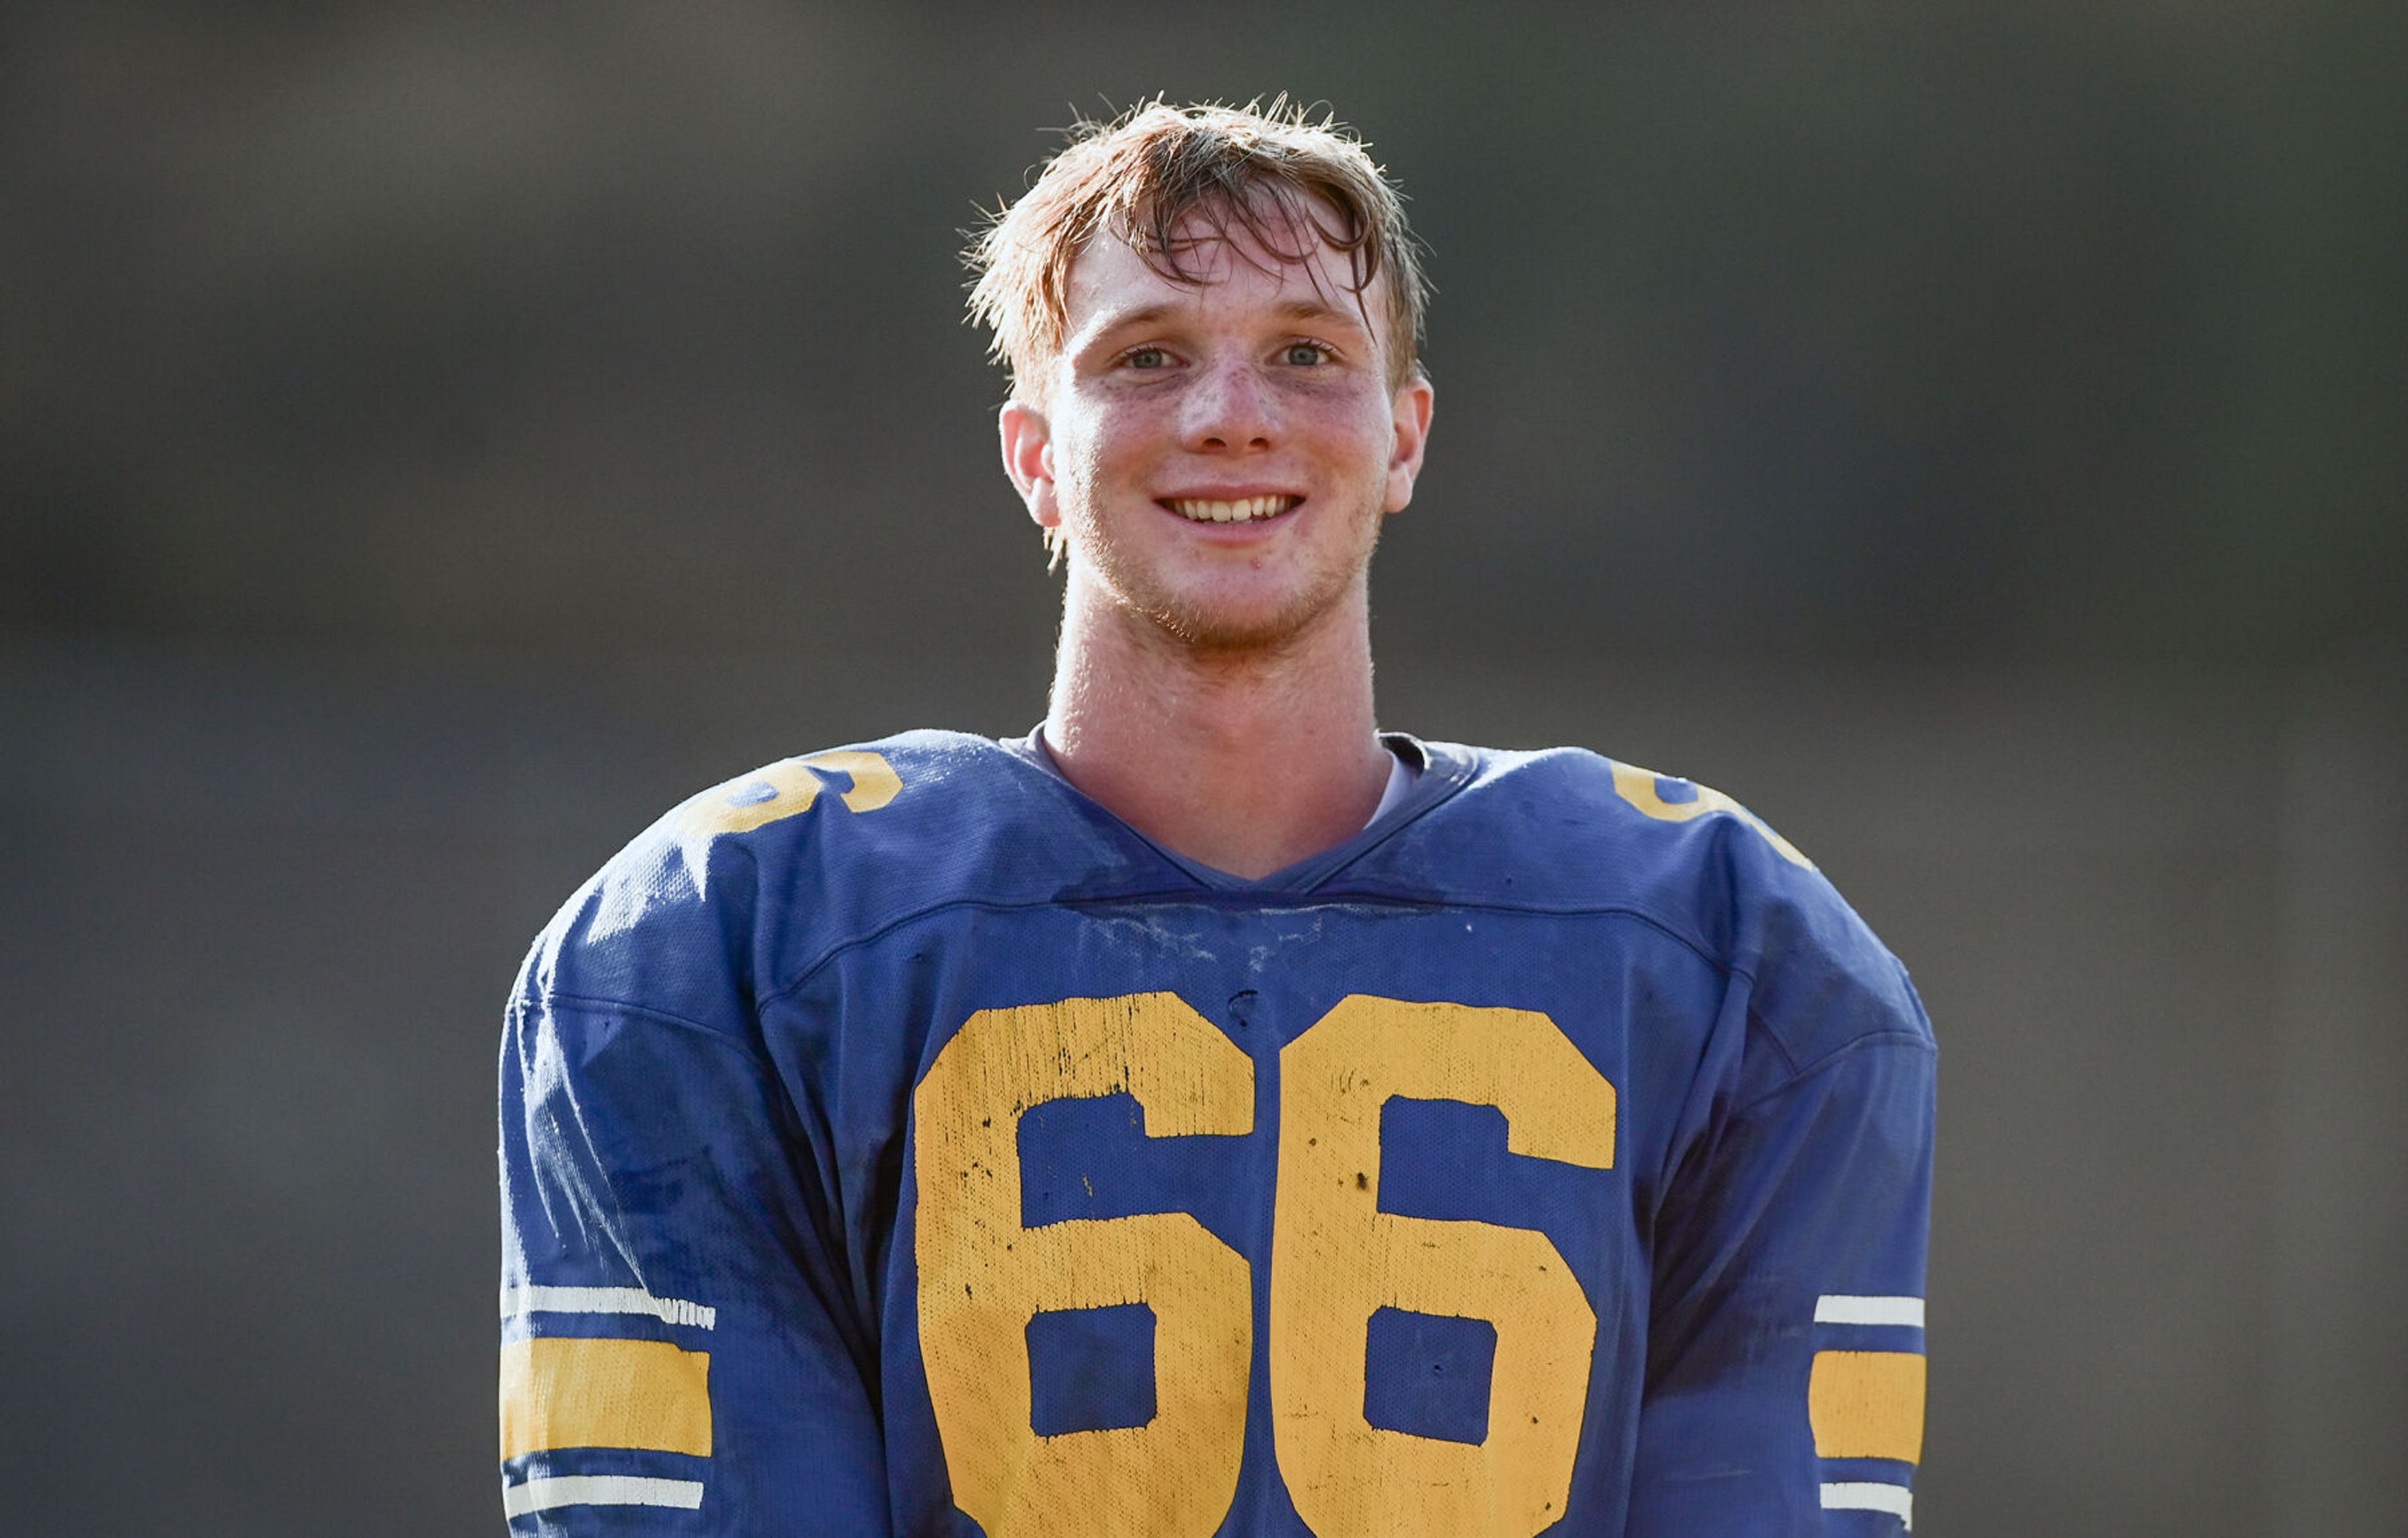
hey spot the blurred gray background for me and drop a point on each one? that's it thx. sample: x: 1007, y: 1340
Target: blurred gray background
x: 435, y: 438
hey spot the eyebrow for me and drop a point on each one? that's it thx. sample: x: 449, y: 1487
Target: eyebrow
x: 1140, y: 315
x: 1313, y: 308
x: 1300, y: 309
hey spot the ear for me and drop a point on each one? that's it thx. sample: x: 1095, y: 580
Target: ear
x: 1411, y: 408
x: 1028, y: 459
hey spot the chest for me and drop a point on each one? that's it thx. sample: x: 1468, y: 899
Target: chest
x: 1259, y: 1200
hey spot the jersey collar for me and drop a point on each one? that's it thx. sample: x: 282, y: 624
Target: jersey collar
x: 1445, y: 768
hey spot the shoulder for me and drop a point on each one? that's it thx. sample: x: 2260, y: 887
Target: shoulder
x: 1567, y: 829
x: 1575, y: 826
x: 735, y: 883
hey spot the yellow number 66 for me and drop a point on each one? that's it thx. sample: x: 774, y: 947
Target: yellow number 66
x: 1336, y: 1259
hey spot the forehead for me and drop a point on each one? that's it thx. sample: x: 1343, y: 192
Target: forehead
x: 1225, y: 271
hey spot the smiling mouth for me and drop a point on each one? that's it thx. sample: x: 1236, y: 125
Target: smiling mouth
x: 1201, y: 510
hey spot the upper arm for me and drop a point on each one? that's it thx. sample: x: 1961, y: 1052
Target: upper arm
x: 1785, y: 1374
x: 677, y: 1351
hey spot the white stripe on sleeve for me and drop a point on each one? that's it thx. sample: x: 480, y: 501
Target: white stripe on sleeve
x: 675, y: 1311
x: 1840, y: 1309
x: 1871, y: 1496
x: 605, y: 1489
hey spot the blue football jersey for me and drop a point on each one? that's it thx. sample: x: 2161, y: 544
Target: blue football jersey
x: 893, y: 1141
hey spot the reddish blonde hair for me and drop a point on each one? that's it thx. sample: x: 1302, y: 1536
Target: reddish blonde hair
x: 1285, y: 182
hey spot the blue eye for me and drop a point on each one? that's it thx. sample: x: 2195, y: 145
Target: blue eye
x: 1306, y: 354
x: 1148, y: 357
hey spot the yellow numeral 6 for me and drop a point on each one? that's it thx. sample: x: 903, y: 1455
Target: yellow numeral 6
x: 1336, y: 1259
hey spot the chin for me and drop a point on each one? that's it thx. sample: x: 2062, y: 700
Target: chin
x: 1265, y: 624
x: 1220, y: 610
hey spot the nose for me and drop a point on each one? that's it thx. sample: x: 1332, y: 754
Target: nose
x: 1229, y: 410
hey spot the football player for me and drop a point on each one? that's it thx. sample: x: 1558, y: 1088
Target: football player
x: 1209, y: 1113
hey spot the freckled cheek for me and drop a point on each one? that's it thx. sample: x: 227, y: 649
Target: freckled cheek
x: 1089, y: 472
x: 1355, y: 448
x: 1363, y: 419
x: 1127, y: 449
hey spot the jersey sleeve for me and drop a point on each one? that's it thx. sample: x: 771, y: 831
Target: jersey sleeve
x: 1785, y: 1388
x: 680, y: 1352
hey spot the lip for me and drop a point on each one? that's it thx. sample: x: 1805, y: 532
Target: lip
x: 1234, y: 493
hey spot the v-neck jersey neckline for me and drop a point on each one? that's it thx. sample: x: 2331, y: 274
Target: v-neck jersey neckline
x: 1445, y: 768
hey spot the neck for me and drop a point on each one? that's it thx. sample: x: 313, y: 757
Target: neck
x: 1247, y: 759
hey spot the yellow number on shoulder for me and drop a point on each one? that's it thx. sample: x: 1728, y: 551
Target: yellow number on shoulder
x: 783, y: 790
x: 1638, y: 787
x: 984, y: 1276
x: 1338, y: 1259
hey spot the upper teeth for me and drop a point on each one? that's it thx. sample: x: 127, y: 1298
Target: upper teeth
x: 1204, y: 511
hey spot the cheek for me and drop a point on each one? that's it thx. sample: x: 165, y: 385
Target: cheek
x: 1078, y: 469
x: 1364, y: 421
x: 1109, y: 443
x: 1361, y: 445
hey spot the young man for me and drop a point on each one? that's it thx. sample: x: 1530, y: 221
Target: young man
x: 1208, y: 1114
